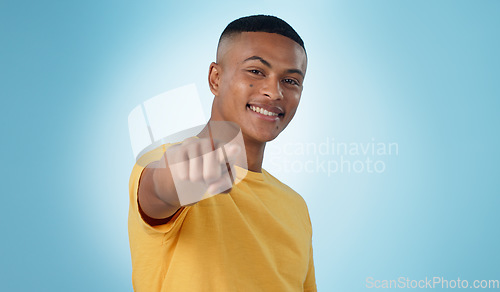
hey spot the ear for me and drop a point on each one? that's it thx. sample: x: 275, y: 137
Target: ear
x: 214, y: 77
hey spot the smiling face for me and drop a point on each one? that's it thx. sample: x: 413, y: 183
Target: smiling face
x: 257, y: 83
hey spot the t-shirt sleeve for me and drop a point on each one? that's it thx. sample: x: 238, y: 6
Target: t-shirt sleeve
x: 310, y: 281
x: 135, y: 218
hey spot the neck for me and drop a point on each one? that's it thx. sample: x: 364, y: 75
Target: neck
x: 255, y: 153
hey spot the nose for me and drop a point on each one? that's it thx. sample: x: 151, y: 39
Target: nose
x: 272, y: 89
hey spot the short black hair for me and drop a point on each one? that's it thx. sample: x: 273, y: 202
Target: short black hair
x: 262, y: 23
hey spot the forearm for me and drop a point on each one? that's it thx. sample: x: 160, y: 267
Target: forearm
x: 157, y: 194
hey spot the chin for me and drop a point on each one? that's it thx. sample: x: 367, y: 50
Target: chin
x: 260, y: 136
x: 266, y: 138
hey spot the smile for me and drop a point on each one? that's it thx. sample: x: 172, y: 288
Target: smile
x: 262, y: 111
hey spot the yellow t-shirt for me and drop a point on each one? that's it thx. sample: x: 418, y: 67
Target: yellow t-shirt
x: 256, y: 238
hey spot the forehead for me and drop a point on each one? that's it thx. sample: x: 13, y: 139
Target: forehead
x: 272, y: 47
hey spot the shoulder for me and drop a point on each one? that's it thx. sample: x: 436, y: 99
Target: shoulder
x: 275, y: 181
x: 293, y: 200
x: 291, y: 193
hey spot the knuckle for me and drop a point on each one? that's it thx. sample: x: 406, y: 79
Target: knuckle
x: 189, y: 140
x: 192, y: 150
x: 206, y: 145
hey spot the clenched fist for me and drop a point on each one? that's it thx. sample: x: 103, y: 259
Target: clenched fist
x: 196, y: 169
x: 202, y: 167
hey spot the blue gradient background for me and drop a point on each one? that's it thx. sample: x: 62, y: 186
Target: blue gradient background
x: 423, y: 74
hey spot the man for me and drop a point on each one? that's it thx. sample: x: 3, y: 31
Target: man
x: 255, y: 235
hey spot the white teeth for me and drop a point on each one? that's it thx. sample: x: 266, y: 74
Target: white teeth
x: 262, y: 111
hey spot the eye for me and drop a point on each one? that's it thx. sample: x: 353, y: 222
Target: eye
x: 255, y: 71
x: 291, y: 81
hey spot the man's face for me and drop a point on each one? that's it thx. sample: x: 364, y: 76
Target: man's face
x: 257, y: 83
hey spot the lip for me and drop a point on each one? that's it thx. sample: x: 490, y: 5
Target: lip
x: 265, y: 117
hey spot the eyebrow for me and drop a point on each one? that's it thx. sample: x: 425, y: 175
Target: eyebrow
x: 259, y: 59
x: 266, y: 63
x: 295, y: 71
